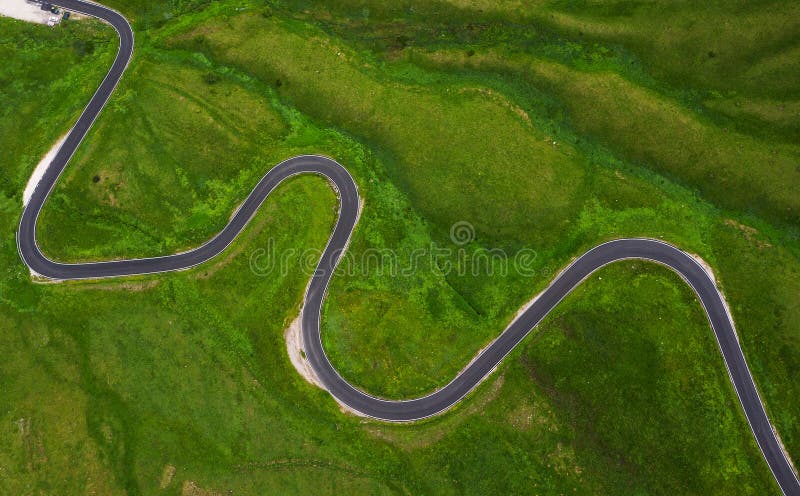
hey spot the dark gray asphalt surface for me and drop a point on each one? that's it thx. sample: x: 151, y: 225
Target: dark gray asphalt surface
x: 487, y: 361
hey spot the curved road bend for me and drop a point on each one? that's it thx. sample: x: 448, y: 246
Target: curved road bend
x: 469, y: 378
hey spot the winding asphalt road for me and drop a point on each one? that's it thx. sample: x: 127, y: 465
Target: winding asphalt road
x: 647, y: 249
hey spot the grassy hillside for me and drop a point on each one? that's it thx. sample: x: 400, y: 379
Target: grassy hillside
x: 46, y: 76
x: 547, y: 127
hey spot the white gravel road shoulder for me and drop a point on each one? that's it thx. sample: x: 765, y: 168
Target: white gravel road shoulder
x: 39, y: 171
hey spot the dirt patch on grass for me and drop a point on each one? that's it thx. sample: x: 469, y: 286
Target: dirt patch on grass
x: 502, y: 101
x: 563, y: 461
x: 190, y: 488
x: 295, y: 463
x: 32, y: 443
x: 529, y: 415
x: 121, y: 286
x: 750, y: 233
x: 166, y: 476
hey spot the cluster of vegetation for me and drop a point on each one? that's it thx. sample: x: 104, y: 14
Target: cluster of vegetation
x: 546, y: 127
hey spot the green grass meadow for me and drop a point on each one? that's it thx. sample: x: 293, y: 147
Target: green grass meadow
x: 547, y: 126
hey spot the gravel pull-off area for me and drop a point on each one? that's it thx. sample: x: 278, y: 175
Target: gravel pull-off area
x: 294, y: 347
x: 40, y: 169
x: 24, y: 10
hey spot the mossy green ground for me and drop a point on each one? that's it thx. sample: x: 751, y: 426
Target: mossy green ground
x: 548, y: 127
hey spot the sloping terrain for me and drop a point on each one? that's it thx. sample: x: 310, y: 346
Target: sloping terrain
x: 512, y: 122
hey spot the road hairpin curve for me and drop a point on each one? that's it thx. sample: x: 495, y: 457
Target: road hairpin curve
x: 442, y: 399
